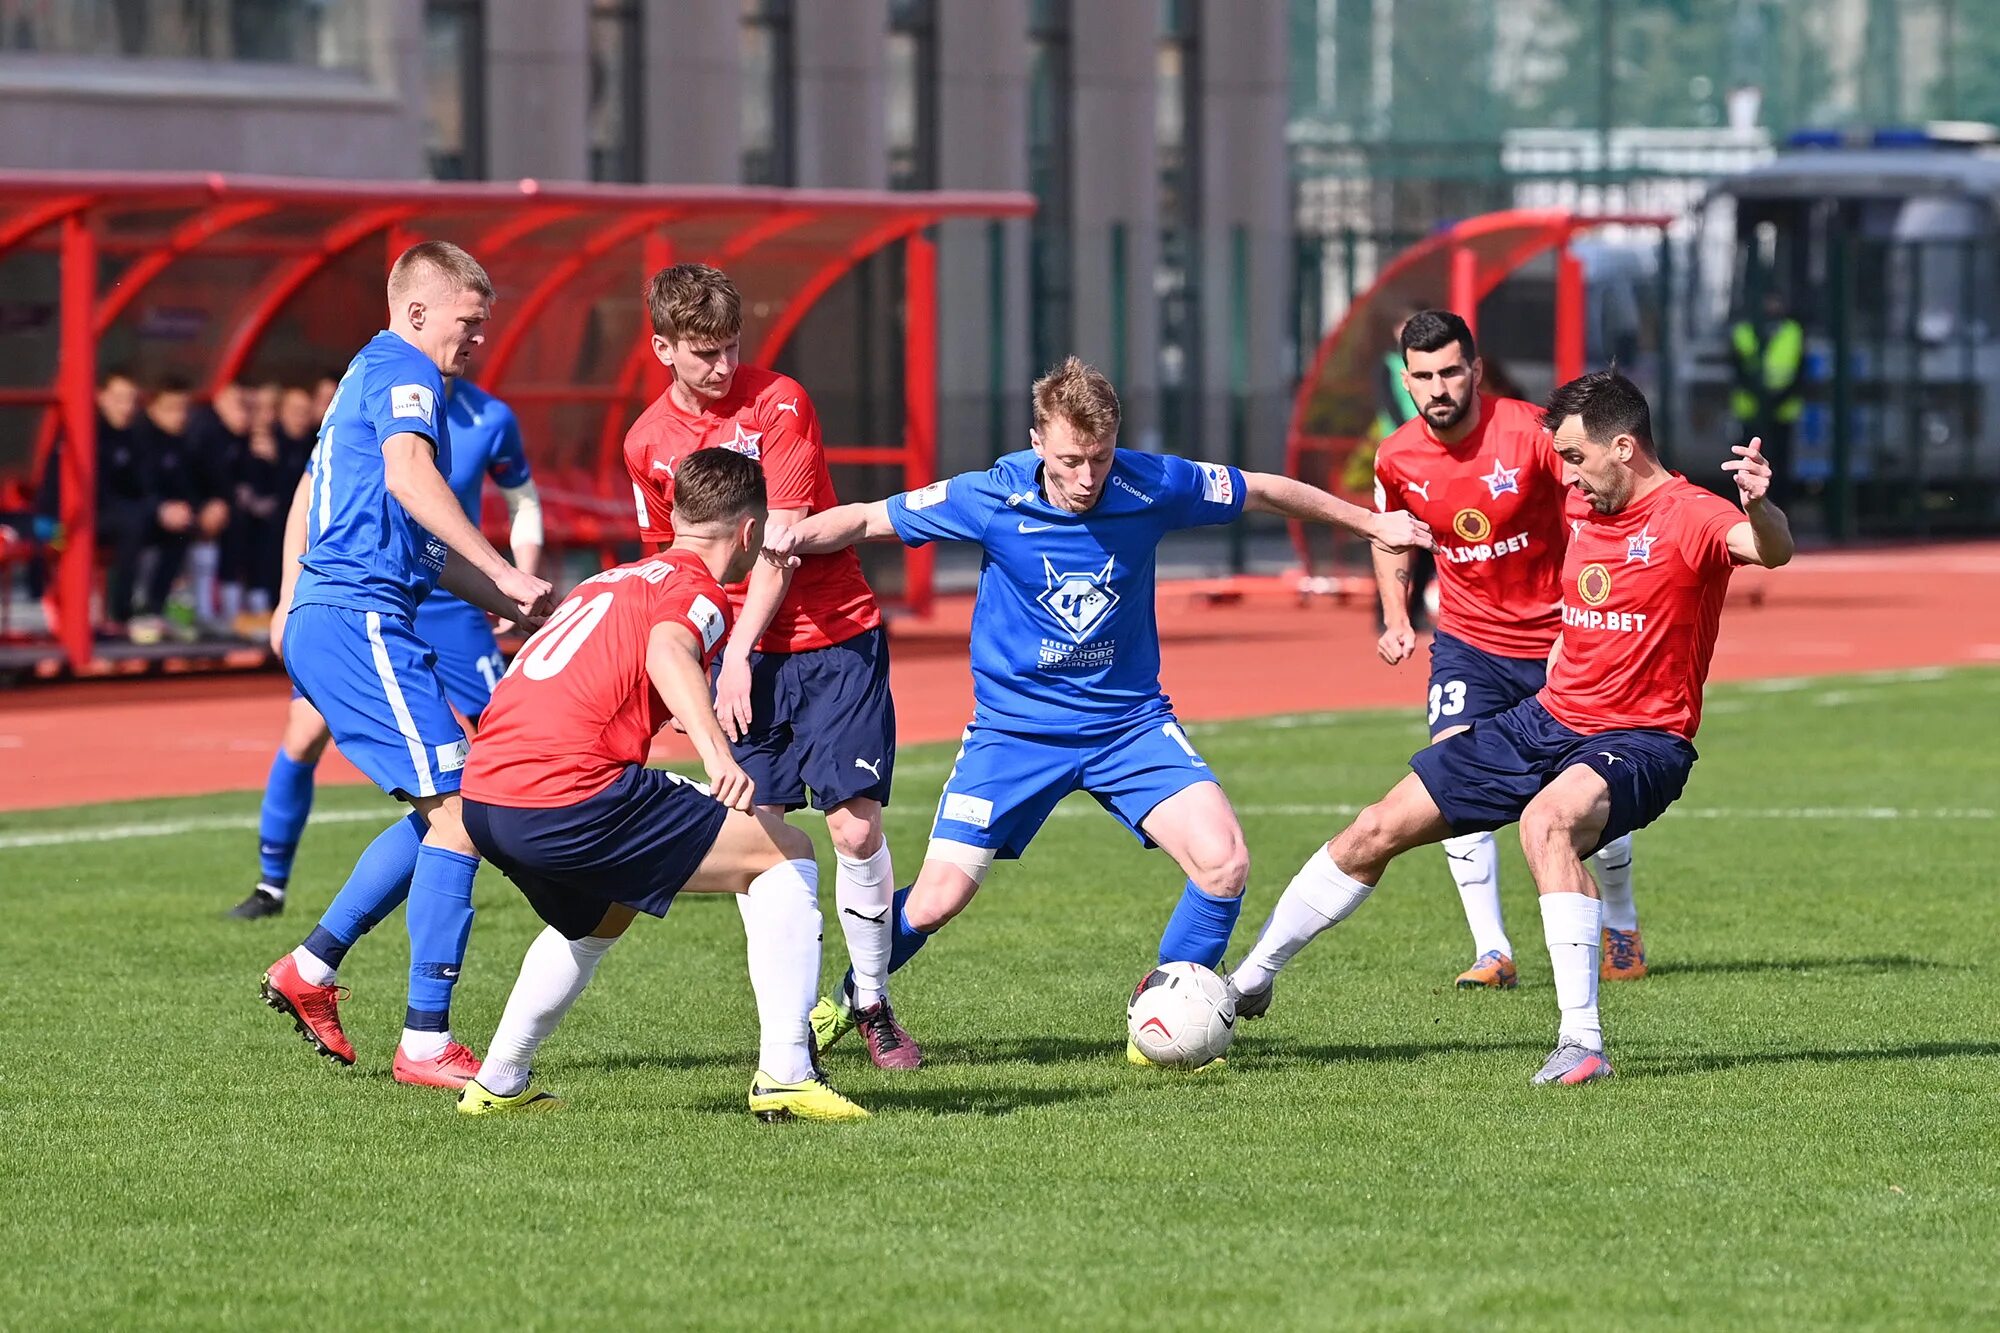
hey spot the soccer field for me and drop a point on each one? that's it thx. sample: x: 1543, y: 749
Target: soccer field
x: 1805, y: 1126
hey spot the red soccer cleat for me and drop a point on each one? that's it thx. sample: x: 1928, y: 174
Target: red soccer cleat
x: 314, y: 1009
x: 454, y: 1069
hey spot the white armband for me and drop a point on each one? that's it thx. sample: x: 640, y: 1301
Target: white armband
x: 524, y: 506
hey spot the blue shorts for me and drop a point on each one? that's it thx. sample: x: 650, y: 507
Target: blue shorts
x: 1469, y: 683
x: 821, y: 719
x: 636, y: 842
x: 469, y: 663
x: 371, y: 678
x: 1483, y: 778
x: 1004, y: 784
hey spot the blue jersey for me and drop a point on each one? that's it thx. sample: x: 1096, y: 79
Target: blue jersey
x: 363, y: 550
x: 485, y: 442
x: 1064, y: 637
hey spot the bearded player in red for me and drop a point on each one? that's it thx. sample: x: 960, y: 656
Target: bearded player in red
x: 557, y: 794
x: 1607, y: 744
x: 1479, y: 471
x: 803, y: 687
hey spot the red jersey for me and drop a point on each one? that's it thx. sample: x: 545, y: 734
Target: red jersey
x: 769, y: 417
x: 1642, y: 595
x: 577, y: 707
x: 1494, y: 502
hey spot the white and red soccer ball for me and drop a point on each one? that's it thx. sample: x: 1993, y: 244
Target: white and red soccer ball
x: 1182, y: 1015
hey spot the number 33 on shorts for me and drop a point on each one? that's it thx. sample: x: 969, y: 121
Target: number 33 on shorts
x: 1447, y: 700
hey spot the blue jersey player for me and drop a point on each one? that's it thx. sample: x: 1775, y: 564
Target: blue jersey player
x: 1066, y: 655
x: 382, y: 528
x: 485, y: 442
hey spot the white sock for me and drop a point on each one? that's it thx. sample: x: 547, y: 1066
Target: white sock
x: 553, y: 974
x: 781, y: 924
x: 1475, y: 867
x: 861, y: 893
x: 425, y: 1045
x: 1320, y: 895
x: 1573, y: 924
x: 313, y: 970
x: 1613, y: 863
x: 277, y: 891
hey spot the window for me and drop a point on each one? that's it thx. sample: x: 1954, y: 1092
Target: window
x: 327, y: 34
x: 616, y: 108
x: 1050, y: 271
x: 912, y: 94
x: 767, y: 92
x: 455, y: 89
x: 1177, y: 280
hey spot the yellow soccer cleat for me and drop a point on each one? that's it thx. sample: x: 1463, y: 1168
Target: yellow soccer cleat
x: 1493, y: 971
x: 1135, y: 1056
x: 831, y: 1020
x: 810, y: 1099
x: 476, y: 1100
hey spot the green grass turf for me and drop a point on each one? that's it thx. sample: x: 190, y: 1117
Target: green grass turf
x: 1805, y: 1128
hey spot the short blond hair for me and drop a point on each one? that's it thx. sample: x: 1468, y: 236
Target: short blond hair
x: 695, y: 301
x: 438, y: 260
x: 1081, y: 395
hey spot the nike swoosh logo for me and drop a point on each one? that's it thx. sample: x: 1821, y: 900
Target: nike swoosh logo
x: 1025, y: 526
x: 876, y: 920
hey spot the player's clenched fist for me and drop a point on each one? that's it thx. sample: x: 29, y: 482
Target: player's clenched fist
x: 1396, y: 644
x: 730, y: 785
x: 1399, y: 531
x: 534, y: 596
x: 781, y: 547
x: 1752, y: 469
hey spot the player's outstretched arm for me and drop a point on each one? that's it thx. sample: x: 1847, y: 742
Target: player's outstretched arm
x: 768, y: 583
x: 295, y: 546
x: 1268, y: 493
x: 1765, y: 536
x: 467, y: 584
x: 673, y: 664
x: 410, y: 472
x: 833, y: 529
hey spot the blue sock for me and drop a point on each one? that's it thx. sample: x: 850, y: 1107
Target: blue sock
x: 440, y: 924
x: 904, y: 941
x: 376, y: 887
x: 288, y: 799
x: 1198, y: 931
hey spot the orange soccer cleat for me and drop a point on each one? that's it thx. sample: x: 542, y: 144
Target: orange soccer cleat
x: 454, y: 1069
x: 1493, y: 971
x: 1624, y: 956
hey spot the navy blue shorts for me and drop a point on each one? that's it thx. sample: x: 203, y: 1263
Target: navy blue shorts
x: 1469, y: 683
x: 821, y: 719
x: 636, y: 842
x: 1483, y: 778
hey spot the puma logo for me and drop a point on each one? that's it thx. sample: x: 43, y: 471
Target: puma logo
x: 874, y: 769
x: 792, y: 407
x: 875, y: 920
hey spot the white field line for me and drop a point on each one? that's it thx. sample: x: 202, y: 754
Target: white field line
x: 170, y: 828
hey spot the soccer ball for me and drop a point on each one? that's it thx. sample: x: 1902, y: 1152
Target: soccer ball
x: 1181, y: 1014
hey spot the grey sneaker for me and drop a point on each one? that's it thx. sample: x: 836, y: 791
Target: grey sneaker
x: 1572, y: 1062
x: 1251, y: 1004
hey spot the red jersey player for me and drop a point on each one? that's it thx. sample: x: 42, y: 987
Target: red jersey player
x: 1606, y: 746
x: 803, y: 687
x: 557, y: 794
x: 1480, y: 472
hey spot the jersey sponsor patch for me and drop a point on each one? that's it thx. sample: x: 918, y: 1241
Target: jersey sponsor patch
x: 974, y: 810
x: 706, y: 617
x: 413, y: 400
x: 451, y: 758
x: 927, y: 496
x: 1216, y: 487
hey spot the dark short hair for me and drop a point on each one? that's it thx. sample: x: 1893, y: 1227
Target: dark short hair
x: 1608, y: 404
x: 174, y: 382
x: 718, y: 486
x: 1435, y: 330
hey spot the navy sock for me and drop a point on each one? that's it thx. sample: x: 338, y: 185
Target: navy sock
x: 288, y: 800
x: 1199, y: 929
x: 376, y: 887
x: 440, y: 924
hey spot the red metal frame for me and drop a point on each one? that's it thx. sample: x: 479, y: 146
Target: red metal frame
x: 500, y: 218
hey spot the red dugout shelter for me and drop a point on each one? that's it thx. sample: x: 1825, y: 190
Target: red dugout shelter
x: 220, y: 277
x: 1335, y: 404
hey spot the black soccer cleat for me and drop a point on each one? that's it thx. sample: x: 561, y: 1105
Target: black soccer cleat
x: 261, y: 902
